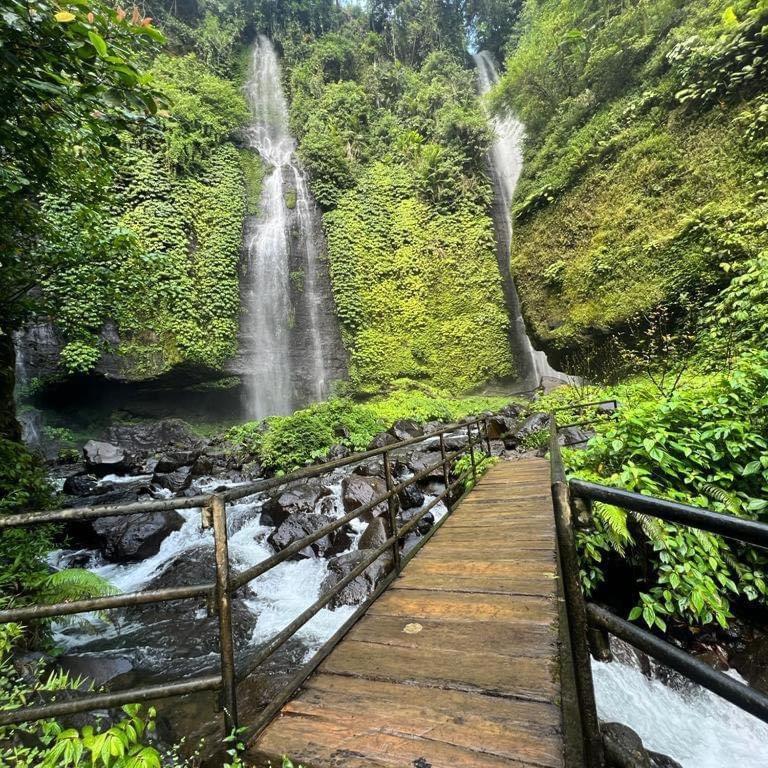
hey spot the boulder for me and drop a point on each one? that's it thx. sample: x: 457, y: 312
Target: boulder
x: 150, y: 436
x: 662, y: 761
x: 336, y: 452
x: 418, y: 462
x: 302, y: 524
x: 512, y: 411
x: 298, y: 497
x: 499, y: 426
x: 203, y: 466
x: 533, y: 423
x: 359, y: 588
x: 405, y: 429
x: 116, y: 495
x: 574, y: 436
x: 752, y: 663
x: 176, y: 481
x: 105, y: 459
x: 382, y: 440
x: 80, y: 485
x: 455, y: 442
x: 372, y: 468
x: 623, y: 746
x: 127, y: 538
x: 357, y: 491
x: 411, y: 496
x: 423, y: 525
x: 374, y: 535
x: 170, y: 461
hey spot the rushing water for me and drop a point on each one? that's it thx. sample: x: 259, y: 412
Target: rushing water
x: 677, y: 717
x: 506, y: 159
x: 289, y: 338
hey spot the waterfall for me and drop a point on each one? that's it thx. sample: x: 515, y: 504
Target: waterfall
x: 290, y: 350
x: 506, y: 160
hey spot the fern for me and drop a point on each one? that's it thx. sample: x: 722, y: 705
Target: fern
x: 72, y: 584
x: 729, y: 500
x: 615, y: 521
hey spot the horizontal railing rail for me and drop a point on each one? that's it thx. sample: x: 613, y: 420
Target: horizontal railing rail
x: 219, y: 592
x: 590, y: 617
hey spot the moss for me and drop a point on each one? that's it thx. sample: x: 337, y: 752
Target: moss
x: 253, y: 175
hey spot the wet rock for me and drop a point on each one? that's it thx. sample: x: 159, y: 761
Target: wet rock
x: 752, y: 663
x: 134, y: 537
x: 411, y: 496
x: 382, y: 440
x: 374, y: 535
x: 176, y: 482
x: 533, y: 423
x: 454, y: 442
x: 623, y: 747
x: 574, y: 436
x: 499, y: 426
x: 150, y: 436
x: 662, y: 761
x: 423, y: 525
x: 302, y: 524
x: 358, y: 491
x: 203, y: 466
x: 105, y: 459
x: 98, y: 668
x: 418, y: 462
x: 298, y: 497
x: 173, y: 460
x: 372, y: 468
x: 360, y: 587
x: 117, y: 495
x: 405, y: 429
x: 512, y: 411
x: 336, y: 452
x: 80, y: 485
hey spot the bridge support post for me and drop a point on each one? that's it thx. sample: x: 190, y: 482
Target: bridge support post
x: 446, y: 472
x: 224, y: 609
x: 392, y: 509
x: 487, y: 439
x: 472, y: 452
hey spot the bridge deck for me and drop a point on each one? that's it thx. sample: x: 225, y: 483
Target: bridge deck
x: 478, y: 685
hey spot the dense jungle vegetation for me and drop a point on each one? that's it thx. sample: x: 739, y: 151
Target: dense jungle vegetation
x: 640, y: 250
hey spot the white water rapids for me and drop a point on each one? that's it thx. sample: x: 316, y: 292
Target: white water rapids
x: 506, y: 158
x: 285, y: 348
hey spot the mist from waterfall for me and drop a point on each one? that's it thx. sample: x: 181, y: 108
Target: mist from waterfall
x: 506, y: 159
x: 281, y: 364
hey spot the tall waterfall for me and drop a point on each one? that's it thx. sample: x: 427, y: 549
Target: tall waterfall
x: 506, y: 159
x: 290, y: 350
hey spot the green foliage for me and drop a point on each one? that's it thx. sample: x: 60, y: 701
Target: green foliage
x: 285, y: 443
x: 645, y: 157
x: 704, y: 444
x: 205, y: 110
x: 482, y: 464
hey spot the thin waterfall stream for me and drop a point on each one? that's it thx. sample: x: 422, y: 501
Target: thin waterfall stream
x: 506, y: 160
x: 290, y: 349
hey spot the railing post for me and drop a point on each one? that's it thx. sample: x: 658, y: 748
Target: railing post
x: 392, y: 508
x: 487, y: 439
x: 472, y: 452
x: 224, y: 609
x: 574, y: 607
x: 446, y: 471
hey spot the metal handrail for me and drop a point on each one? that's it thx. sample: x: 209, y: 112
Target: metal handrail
x: 225, y: 583
x: 598, y: 618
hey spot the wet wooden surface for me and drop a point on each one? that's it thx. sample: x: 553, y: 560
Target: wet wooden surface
x: 477, y: 686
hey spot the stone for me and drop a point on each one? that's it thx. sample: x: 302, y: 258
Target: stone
x: 176, y: 481
x: 360, y: 587
x: 623, y: 746
x: 381, y: 440
x: 80, y: 485
x: 499, y: 426
x: 411, y: 496
x: 297, y: 497
x: 423, y: 525
x: 358, y: 491
x: 128, y: 538
x: 574, y: 436
x: 203, y: 466
x: 662, y: 761
x: 512, y: 411
x: 533, y: 423
x: 150, y: 436
x: 116, y: 495
x: 173, y: 460
x: 301, y: 524
x: 418, y: 462
x: 372, y: 468
x: 752, y: 663
x: 455, y: 442
x: 336, y: 452
x: 99, y: 669
x: 405, y: 429
x: 374, y: 535
x: 105, y: 459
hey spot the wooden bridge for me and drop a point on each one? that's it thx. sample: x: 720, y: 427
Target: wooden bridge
x: 472, y: 652
x: 456, y: 665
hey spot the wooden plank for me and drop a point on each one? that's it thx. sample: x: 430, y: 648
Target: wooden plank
x: 476, y: 685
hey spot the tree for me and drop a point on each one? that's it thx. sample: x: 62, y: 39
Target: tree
x: 71, y: 85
